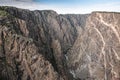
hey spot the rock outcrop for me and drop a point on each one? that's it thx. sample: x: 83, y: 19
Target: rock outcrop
x: 44, y: 45
x: 95, y: 54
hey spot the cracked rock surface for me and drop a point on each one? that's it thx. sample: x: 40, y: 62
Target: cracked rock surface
x: 95, y: 54
x: 44, y: 45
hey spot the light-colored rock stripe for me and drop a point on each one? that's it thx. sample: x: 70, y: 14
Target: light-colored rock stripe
x: 116, y: 54
x: 112, y: 26
x: 103, y: 52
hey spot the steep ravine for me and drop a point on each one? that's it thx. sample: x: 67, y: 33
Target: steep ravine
x: 44, y: 45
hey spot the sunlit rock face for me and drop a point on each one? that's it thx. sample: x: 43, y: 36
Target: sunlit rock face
x: 44, y: 45
x: 96, y: 53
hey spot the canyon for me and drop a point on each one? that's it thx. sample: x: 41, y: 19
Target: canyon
x: 45, y: 45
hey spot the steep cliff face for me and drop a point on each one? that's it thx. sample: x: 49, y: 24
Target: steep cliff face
x: 96, y: 53
x: 20, y: 58
x: 44, y: 45
x: 43, y: 35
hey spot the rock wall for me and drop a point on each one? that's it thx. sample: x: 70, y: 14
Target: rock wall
x: 44, y: 45
x: 96, y: 53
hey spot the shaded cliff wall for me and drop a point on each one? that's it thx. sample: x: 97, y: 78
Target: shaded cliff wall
x: 39, y: 33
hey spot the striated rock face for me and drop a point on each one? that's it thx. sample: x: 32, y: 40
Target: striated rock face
x: 20, y: 58
x: 96, y: 53
x: 44, y: 45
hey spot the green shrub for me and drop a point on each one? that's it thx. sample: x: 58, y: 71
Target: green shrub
x: 3, y: 13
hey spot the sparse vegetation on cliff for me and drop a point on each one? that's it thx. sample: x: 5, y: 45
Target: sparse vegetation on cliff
x: 3, y: 13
